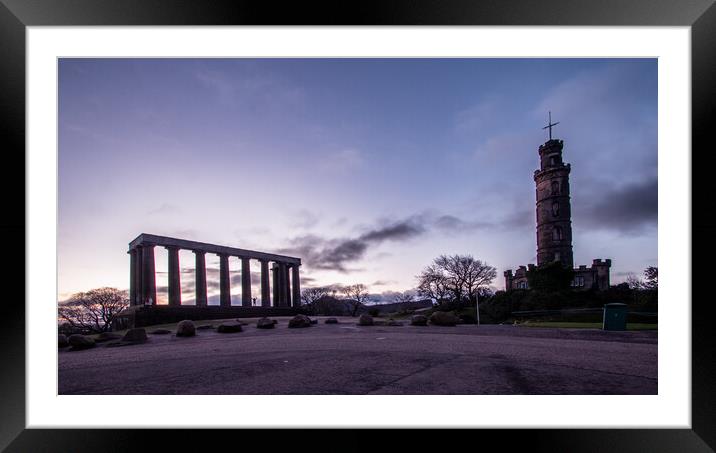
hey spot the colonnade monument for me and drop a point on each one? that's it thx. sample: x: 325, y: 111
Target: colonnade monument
x: 283, y: 298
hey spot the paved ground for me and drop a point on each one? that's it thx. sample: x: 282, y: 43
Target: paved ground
x: 347, y: 359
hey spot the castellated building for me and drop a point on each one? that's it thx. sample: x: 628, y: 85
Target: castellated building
x: 554, y: 225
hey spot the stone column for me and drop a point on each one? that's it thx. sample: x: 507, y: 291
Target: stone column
x: 274, y: 276
x: 200, y: 298
x: 282, y: 284
x: 138, y: 273
x: 224, y: 281
x: 289, y: 285
x: 245, y: 282
x: 296, y: 282
x: 149, y: 281
x: 265, y: 291
x: 132, y: 277
x: 174, y: 289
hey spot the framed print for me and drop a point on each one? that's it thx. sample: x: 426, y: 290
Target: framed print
x: 203, y: 182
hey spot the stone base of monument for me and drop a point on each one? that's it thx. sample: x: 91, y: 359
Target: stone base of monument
x: 149, y: 315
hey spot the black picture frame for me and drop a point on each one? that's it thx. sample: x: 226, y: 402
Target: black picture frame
x: 16, y: 15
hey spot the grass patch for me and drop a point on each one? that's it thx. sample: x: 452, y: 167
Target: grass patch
x: 585, y: 325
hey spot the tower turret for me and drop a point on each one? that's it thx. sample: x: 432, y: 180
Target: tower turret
x: 553, y: 209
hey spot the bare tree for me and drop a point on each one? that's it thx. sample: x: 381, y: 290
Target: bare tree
x: 93, y: 310
x: 634, y: 282
x: 310, y: 295
x: 454, y: 273
x: 432, y: 283
x: 476, y: 274
x: 651, y: 280
x: 356, y: 295
x: 458, y: 277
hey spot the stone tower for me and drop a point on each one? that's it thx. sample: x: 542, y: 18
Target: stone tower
x: 554, y: 214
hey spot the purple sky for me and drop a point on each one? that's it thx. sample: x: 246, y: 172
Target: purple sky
x: 366, y: 169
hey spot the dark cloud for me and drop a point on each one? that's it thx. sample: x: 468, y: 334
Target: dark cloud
x: 514, y: 220
x: 452, y: 223
x: 627, y: 209
x: 383, y: 282
x: 346, y: 251
x: 396, y: 232
x: 336, y: 254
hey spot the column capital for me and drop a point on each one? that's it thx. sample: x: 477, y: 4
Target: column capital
x: 172, y: 247
x: 199, y: 252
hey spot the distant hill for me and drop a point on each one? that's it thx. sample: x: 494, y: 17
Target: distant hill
x: 331, y: 306
x: 400, y: 306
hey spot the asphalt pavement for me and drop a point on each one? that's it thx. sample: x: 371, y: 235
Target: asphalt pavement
x: 348, y: 359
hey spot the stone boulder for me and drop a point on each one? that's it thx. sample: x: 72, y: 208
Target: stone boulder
x: 394, y: 323
x: 229, y: 327
x: 205, y: 327
x: 62, y: 341
x: 419, y: 320
x: 107, y: 336
x: 443, y: 318
x: 186, y: 328
x: 314, y: 321
x: 78, y: 341
x: 137, y: 335
x: 160, y: 332
x: 331, y: 321
x: 299, y: 321
x: 365, y: 320
x: 265, y: 323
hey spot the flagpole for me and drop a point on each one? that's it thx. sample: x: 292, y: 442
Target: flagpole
x: 477, y: 307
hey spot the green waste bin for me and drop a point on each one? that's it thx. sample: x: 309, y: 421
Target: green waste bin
x: 615, y: 316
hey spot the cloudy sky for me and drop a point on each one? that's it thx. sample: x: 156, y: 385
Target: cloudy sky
x: 366, y: 169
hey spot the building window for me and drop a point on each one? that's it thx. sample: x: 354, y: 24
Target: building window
x: 556, y: 233
x: 555, y: 187
x: 557, y: 256
x: 553, y: 161
x: 522, y: 285
x: 555, y: 209
x: 578, y: 281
